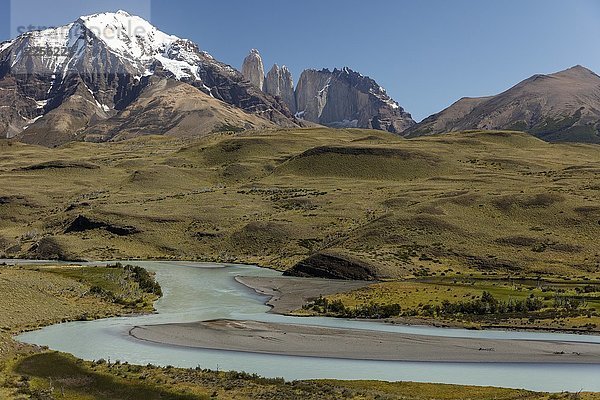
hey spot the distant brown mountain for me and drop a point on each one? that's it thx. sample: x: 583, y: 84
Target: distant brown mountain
x: 564, y: 106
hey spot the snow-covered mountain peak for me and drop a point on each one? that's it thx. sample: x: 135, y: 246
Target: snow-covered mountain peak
x: 51, y: 37
x: 99, y: 65
x: 5, y: 45
x: 110, y: 42
x: 130, y: 36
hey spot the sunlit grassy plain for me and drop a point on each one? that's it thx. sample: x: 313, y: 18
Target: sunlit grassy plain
x: 469, y: 202
x: 417, y: 296
x: 426, y: 215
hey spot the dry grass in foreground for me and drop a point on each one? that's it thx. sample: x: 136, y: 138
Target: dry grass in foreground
x: 54, y: 374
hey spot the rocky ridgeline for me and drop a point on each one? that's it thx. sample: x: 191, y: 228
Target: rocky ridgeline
x: 558, y: 107
x: 341, y: 98
x: 75, y: 82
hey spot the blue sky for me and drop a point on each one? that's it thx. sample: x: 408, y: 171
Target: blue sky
x: 426, y: 53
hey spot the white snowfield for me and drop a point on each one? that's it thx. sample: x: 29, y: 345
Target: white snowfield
x: 130, y: 38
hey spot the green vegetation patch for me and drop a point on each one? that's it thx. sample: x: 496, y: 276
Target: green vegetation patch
x: 552, y: 304
x: 63, y: 376
x: 127, y: 285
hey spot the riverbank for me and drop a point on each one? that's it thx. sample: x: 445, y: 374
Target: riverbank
x: 312, y: 341
x: 289, y: 295
x: 39, y: 295
x: 201, y: 291
x: 121, y: 381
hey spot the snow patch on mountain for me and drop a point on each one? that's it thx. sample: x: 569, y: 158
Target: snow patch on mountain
x: 382, y: 95
x: 129, y: 36
x: 180, y: 69
x: 32, y: 121
x: 5, y: 45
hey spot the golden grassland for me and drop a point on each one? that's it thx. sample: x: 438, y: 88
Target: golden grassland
x: 66, y: 377
x: 36, y: 296
x: 470, y: 202
x: 32, y: 298
x: 74, y: 379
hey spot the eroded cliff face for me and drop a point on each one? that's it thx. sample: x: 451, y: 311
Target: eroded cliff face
x: 253, y: 69
x: 344, y: 98
x: 279, y: 83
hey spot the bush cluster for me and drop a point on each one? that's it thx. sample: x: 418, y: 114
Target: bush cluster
x: 144, y: 279
x: 488, y: 304
x: 371, y: 311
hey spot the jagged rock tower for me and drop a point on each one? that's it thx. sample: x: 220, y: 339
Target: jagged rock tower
x: 341, y: 98
x: 253, y: 69
x: 279, y: 83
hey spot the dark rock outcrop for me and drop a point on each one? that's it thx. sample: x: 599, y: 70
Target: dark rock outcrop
x: 83, y: 223
x: 59, y: 164
x: 332, y: 266
x: 48, y: 248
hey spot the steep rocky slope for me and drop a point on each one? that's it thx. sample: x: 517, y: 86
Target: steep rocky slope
x: 344, y: 98
x: 279, y: 84
x: 564, y: 106
x: 58, y: 82
x: 173, y: 108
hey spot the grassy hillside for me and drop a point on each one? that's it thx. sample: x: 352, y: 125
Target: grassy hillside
x: 499, y: 201
x: 37, y: 296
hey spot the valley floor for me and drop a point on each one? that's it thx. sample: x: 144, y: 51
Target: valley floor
x: 473, y: 229
x: 475, y: 202
x: 52, y: 294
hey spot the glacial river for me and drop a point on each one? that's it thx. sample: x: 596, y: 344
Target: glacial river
x: 195, y: 292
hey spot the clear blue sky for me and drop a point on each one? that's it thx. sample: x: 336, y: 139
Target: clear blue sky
x: 426, y: 53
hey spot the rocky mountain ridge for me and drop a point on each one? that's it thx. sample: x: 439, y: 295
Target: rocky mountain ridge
x: 341, y: 98
x: 57, y: 84
x: 279, y: 84
x: 112, y: 76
